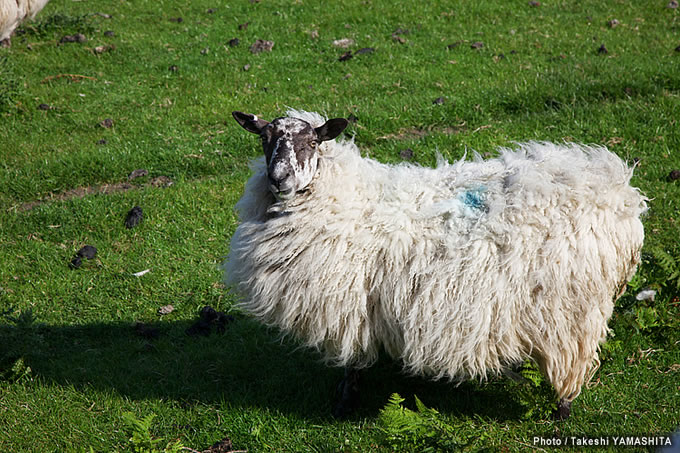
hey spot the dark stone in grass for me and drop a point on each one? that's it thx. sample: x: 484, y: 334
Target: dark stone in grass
x: 211, y: 11
x: 179, y: 20
x: 674, y: 175
x: 243, y: 26
x: 352, y: 118
x: 147, y: 332
x: 134, y: 216
x: 453, y: 45
x: 101, y: 142
x: 173, y: 68
x: 223, y: 446
x: 602, y: 50
x: 137, y: 174
x: 345, y: 56
x: 109, y: 33
x: 440, y: 100
x: 406, y: 154
x: 44, y: 107
x: 234, y: 42
x: 208, y: 314
x: 76, y: 262
x: 88, y: 252
x: 364, y: 50
x: 477, y: 45
x: 106, y: 123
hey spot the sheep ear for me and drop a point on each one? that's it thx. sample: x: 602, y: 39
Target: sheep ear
x: 249, y: 122
x: 331, y: 129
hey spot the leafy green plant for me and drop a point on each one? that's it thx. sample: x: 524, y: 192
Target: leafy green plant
x: 533, y: 393
x: 669, y: 262
x: 141, y: 439
x: 421, y: 430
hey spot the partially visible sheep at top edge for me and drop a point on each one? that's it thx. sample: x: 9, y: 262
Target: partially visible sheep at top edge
x: 13, y: 12
x: 457, y: 271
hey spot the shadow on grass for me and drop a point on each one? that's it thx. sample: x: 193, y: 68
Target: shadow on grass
x: 246, y: 366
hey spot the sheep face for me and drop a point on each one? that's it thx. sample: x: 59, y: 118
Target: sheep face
x: 291, y: 149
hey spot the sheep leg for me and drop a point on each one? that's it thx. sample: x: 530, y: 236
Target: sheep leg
x: 347, y: 394
x: 563, y: 410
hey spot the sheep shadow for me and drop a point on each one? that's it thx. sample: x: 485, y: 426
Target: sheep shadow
x: 246, y: 366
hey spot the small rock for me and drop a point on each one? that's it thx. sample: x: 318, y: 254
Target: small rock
x: 439, y: 100
x: 243, y: 26
x: 102, y: 142
x: 166, y: 310
x: 345, y: 56
x: 44, y: 107
x: 101, y: 49
x: 646, y: 294
x: 613, y: 23
x: 672, y: 4
x: 173, y: 68
x: 246, y: 67
x: 211, y: 11
x: 179, y: 20
x: 343, y: 43
x: 364, y: 50
x: 205, y: 51
x: 78, y: 37
x: 674, y: 175
x: 137, y: 174
x: 87, y: 251
x: 352, y: 118
x: 106, y: 123
x: 109, y: 33
x: 477, y: 45
x: 602, y: 50
x: 161, y: 181
x: 406, y: 154
x: 262, y: 45
x: 134, y: 216
x: 399, y: 39
x: 223, y: 446
x: 454, y: 45
x: 234, y: 42
x: 75, y: 262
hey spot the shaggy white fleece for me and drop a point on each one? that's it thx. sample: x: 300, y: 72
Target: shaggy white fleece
x: 13, y: 12
x: 458, y: 271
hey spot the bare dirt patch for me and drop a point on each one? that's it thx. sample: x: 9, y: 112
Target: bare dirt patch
x: 104, y: 189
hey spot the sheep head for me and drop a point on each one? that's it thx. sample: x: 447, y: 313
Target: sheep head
x: 291, y: 149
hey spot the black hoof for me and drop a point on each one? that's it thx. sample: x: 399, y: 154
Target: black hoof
x: 563, y: 410
x: 347, y: 395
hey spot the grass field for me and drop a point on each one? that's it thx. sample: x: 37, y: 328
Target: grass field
x: 83, y: 352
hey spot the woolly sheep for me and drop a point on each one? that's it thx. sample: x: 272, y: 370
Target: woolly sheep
x: 458, y: 271
x: 13, y: 12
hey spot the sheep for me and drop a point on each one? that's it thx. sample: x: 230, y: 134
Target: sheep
x: 460, y: 271
x: 13, y: 12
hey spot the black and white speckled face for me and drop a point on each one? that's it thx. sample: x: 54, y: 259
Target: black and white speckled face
x: 291, y: 148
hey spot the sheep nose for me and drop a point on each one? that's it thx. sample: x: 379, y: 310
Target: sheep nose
x: 278, y: 180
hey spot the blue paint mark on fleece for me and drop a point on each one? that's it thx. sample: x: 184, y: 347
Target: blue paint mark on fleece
x: 474, y: 198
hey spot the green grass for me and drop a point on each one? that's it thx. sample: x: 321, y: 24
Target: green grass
x: 71, y: 363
